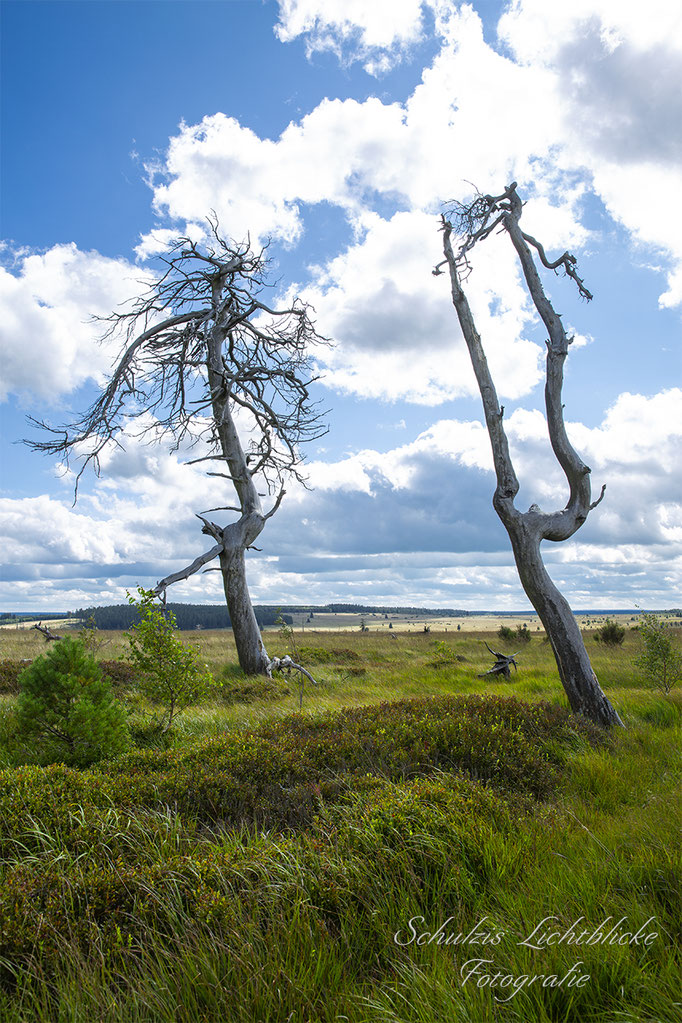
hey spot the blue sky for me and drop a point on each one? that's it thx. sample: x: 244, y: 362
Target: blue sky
x: 336, y: 128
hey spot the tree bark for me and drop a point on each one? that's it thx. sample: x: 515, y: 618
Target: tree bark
x: 585, y: 695
x: 239, y: 535
x: 253, y: 657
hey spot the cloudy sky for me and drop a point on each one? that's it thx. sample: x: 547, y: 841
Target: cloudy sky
x: 336, y: 129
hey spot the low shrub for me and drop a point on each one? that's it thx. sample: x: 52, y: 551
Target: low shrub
x: 276, y: 776
x: 611, y: 634
x: 315, y: 655
x: 66, y: 710
x: 250, y: 689
x: 122, y: 673
x: 320, y: 655
x: 9, y: 675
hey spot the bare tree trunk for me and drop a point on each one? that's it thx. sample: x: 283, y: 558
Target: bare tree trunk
x: 527, y: 529
x: 585, y: 695
x: 253, y: 658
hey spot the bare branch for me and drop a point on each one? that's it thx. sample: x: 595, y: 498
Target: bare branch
x: 185, y: 573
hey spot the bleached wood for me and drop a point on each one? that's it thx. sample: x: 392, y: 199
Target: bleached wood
x: 527, y: 530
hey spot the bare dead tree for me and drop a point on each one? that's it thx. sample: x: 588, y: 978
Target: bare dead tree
x: 202, y: 349
x: 473, y: 223
x: 50, y: 637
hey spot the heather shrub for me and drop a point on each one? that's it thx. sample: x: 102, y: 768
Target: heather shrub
x: 66, y: 710
x: 250, y: 689
x: 9, y: 675
x: 122, y: 673
x: 611, y: 634
x: 277, y: 776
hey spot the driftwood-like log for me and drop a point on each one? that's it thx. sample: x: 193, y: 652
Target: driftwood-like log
x: 286, y: 664
x: 501, y: 665
x: 50, y: 637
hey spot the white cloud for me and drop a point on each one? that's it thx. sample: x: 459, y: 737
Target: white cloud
x: 378, y: 32
x: 617, y: 74
x: 396, y: 330
x: 49, y: 347
x: 417, y: 519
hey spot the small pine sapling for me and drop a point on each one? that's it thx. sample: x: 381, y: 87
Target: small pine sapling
x: 66, y: 709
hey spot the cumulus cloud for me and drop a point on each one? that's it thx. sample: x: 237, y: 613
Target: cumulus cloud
x: 46, y: 302
x: 378, y: 33
x: 414, y: 520
x: 396, y: 331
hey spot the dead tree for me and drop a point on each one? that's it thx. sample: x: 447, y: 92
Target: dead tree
x: 50, y: 637
x: 205, y: 355
x: 473, y: 223
x: 501, y: 665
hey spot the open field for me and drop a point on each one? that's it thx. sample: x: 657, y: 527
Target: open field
x: 52, y: 623
x: 260, y: 865
x: 378, y: 622
x: 394, y: 621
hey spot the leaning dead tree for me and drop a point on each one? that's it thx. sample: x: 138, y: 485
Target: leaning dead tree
x: 471, y: 225
x: 206, y: 362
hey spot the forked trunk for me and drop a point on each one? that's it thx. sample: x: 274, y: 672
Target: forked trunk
x: 253, y: 658
x: 584, y: 693
x: 527, y: 529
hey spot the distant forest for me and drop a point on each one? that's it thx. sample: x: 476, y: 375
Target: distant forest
x: 215, y: 616
x: 188, y: 616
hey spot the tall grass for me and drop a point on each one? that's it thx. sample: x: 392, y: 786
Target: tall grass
x: 265, y: 877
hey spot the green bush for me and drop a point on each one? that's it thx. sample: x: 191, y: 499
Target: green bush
x: 504, y: 632
x: 276, y: 776
x: 611, y: 633
x: 170, y: 672
x: 248, y: 690
x: 661, y: 662
x: 122, y: 673
x: 9, y: 675
x: 66, y: 710
x: 523, y: 633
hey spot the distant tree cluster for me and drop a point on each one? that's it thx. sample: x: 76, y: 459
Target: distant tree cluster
x: 369, y: 609
x: 187, y: 616
x: 216, y: 616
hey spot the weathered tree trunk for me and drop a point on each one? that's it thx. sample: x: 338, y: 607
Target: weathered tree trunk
x: 239, y: 535
x: 253, y: 658
x: 527, y: 529
x: 585, y: 695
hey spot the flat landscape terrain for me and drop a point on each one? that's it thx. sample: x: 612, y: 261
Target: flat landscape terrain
x: 418, y: 845
x: 388, y: 622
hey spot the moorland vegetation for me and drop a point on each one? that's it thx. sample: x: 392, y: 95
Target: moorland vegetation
x: 252, y: 863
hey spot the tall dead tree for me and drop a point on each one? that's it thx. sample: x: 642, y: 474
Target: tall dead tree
x: 472, y: 224
x: 205, y: 356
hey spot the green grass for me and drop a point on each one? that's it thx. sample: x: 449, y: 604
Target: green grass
x: 256, y: 864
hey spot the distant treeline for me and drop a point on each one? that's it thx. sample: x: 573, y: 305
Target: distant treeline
x: 215, y: 616
x: 440, y: 612
x: 188, y: 616
x: 10, y: 617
